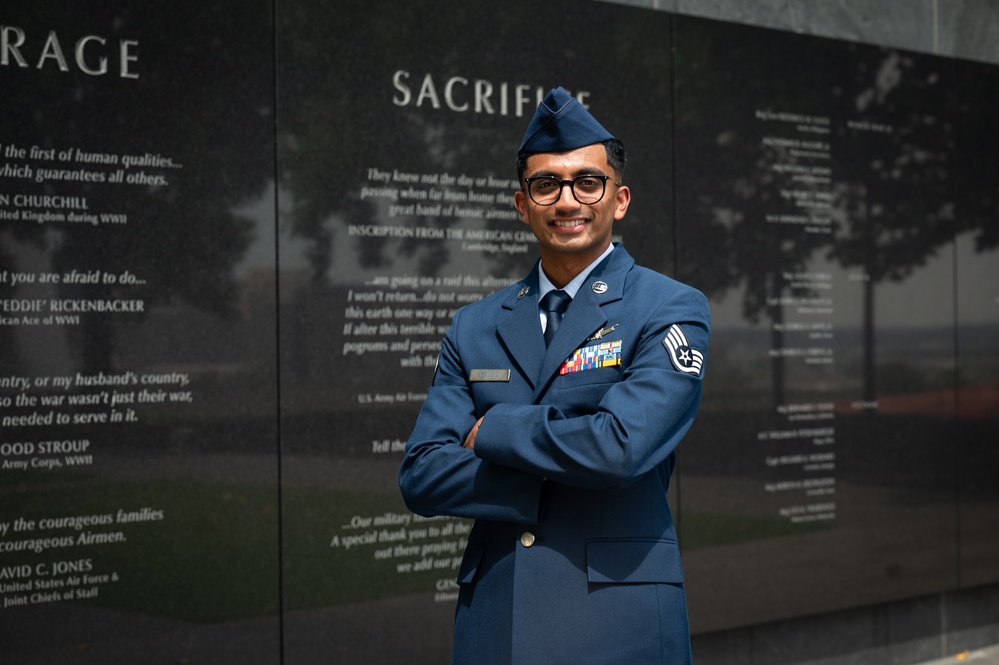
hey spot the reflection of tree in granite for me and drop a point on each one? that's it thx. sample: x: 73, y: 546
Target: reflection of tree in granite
x: 325, y: 180
x: 8, y: 357
x: 892, y: 197
x: 893, y: 188
x: 352, y: 115
x: 977, y: 146
x: 726, y: 242
x: 324, y: 158
x: 904, y: 188
x: 183, y: 239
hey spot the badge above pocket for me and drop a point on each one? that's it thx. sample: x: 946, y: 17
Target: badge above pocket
x: 605, y: 354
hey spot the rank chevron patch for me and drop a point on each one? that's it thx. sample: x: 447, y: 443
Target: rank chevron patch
x: 684, y: 358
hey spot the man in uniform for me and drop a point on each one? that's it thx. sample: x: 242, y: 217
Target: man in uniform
x: 553, y: 421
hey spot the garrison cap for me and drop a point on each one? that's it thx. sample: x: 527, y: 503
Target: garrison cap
x: 560, y: 124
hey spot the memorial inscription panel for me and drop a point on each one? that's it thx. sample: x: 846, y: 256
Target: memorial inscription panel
x: 977, y: 300
x: 398, y: 176
x: 221, y: 304
x: 821, y: 475
x: 138, y: 472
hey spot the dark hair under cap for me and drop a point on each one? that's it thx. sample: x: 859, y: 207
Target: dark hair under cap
x: 617, y: 158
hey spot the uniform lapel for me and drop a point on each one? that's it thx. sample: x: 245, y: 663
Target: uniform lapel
x: 580, y: 321
x: 520, y: 328
x: 585, y: 315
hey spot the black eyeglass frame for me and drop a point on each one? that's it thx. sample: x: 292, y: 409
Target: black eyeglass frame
x: 572, y: 188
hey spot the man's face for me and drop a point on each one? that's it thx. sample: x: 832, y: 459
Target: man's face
x: 568, y: 229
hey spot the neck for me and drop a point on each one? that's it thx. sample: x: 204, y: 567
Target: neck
x: 562, y: 268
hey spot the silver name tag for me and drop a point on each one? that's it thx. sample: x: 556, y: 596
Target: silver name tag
x: 489, y: 375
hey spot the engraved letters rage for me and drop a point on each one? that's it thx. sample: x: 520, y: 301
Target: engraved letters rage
x: 90, y: 54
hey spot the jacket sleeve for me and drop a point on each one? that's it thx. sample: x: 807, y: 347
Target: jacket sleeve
x: 637, y: 424
x: 440, y: 477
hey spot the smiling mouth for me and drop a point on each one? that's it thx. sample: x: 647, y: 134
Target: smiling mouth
x: 567, y: 223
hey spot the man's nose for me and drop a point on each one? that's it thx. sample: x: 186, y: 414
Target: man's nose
x: 566, y: 198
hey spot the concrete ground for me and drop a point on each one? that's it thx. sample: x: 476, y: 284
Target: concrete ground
x: 986, y: 656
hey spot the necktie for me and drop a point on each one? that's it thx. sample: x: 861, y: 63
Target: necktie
x: 553, y: 305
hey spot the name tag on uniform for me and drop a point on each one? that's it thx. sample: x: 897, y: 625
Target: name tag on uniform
x: 489, y: 375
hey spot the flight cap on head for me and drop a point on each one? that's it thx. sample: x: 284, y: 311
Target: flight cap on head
x: 560, y: 124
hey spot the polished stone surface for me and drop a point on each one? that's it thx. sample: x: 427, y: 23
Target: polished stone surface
x: 969, y: 29
x: 254, y: 291
x: 372, y: 269
x: 906, y: 24
x: 955, y: 28
x: 796, y: 199
x: 166, y: 421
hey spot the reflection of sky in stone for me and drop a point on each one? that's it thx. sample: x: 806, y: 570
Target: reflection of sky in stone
x: 924, y: 300
x: 344, y: 266
x: 978, y: 283
x: 260, y: 211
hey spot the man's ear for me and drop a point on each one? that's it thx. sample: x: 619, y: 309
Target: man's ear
x: 621, y: 200
x: 520, y: 203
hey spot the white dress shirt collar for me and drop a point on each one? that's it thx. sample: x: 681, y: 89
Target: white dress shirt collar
x: 545, y: 285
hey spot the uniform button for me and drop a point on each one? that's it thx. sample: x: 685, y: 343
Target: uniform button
x: 527, y: 539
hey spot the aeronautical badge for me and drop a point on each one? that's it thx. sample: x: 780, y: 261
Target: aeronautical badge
x: 602, y: 332
x: 684, y: 358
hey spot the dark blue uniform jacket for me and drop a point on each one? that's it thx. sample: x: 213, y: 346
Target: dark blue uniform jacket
x: 573, y: 556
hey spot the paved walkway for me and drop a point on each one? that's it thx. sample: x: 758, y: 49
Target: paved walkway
x: 987, y: 656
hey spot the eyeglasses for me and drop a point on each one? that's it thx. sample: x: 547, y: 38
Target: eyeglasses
x: 587, y: 189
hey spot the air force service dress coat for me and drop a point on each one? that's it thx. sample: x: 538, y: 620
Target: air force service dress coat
x: 573, y: 556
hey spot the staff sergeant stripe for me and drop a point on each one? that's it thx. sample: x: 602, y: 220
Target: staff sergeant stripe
x: 684, y: 358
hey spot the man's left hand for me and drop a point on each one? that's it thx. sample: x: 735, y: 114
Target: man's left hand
x: 470, y: 439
